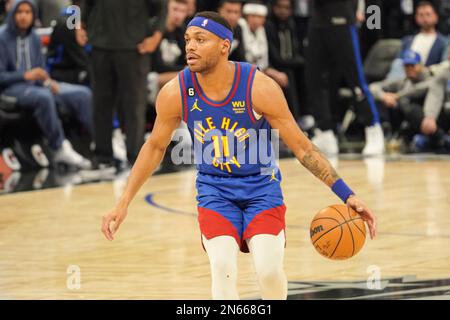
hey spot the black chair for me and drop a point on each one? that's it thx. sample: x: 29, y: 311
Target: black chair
x: 380, y: 57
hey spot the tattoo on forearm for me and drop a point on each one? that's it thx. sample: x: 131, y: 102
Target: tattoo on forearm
x: 319, y: 166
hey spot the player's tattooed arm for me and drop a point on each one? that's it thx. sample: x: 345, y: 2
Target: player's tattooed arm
x: 319, y: 166
x: 269, y: 100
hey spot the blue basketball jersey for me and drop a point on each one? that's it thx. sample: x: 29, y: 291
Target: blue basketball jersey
x: 229, y: 139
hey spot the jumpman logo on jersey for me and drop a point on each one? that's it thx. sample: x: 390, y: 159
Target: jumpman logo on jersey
x: 273, y: 178
x: 195, y: 106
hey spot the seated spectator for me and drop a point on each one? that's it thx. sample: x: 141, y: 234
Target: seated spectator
x: 67, y: 58
x: 22, y: 76
x: 284, y: 48
x: 428, y: 42
x: 255, y: 41
x: 432, y: 123
x: 231, y: 10
x: 404, y: 98
x: 170, y: 56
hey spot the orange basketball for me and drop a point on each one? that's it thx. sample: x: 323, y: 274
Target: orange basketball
x: 338, y: 232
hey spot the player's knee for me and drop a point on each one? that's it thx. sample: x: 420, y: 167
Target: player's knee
x: 271, y: 276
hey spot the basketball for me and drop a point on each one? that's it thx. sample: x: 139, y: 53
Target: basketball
x: 338, y: 232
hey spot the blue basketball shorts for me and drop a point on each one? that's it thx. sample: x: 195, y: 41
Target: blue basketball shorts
x: 240, y: 207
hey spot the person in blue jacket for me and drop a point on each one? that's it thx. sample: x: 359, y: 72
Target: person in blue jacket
x: 23, y: 76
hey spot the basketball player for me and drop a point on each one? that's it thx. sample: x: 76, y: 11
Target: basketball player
x: 240, y: 203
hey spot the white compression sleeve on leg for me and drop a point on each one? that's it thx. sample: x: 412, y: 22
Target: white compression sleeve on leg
x: 222, y: 253
x: 268, y: 253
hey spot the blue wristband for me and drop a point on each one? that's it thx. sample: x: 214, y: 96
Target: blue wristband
x: 342, y: 190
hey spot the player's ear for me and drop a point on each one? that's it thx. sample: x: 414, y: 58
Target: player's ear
x: 226, y: 46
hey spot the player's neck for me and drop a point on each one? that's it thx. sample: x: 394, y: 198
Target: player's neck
x: 218, y: 77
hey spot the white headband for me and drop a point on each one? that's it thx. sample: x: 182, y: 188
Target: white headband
x: 255, y: 9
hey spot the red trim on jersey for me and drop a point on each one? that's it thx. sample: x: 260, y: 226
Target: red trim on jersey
x: 213, y: 224
x: 248, y: 97
x: 183, y: 95
x: 231, y: 94
x: 270, y: 221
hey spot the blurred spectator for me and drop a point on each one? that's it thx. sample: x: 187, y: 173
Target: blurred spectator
x: 428, y: 42
x: 333, y: 54
x: 254, y: 35
x: 120, y: 34
x: 170, y: 56
x: 302, y: 13
x: 22, y: 76
x: 231, y: 10
x: 405, y: 97
x: 284, y: 50
x: 67, y: 58
x: 255, y: 41
x: 433, y: 120
x: 191, y: 9
x: 443, y: 9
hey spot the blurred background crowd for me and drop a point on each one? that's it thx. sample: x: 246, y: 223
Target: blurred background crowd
x: 81, y: 92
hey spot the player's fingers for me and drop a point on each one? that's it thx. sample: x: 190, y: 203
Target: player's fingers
x: 375, y: 227
x: 115, y: 226
x: 106, y: 228
x: 372, y: 226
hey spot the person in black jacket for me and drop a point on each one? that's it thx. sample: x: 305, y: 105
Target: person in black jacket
x: 68, y: 59
x: 284, y: 50
x: 119, y: 32
x: 170, y: 57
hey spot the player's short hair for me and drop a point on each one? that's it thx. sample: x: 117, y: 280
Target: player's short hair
x: 214, y: 16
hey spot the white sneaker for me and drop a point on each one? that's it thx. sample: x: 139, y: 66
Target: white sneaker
x: 118, y: 144
x: 39, y: 156
x: 65, y: 154
x: 306, y: 122
x: 374, y: 141
x: 326, y: 141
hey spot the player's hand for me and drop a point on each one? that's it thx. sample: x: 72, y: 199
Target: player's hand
x: 366, y: 214
x: 112, y: 221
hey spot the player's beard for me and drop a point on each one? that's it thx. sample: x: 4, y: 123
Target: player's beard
x: 205, y: 64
